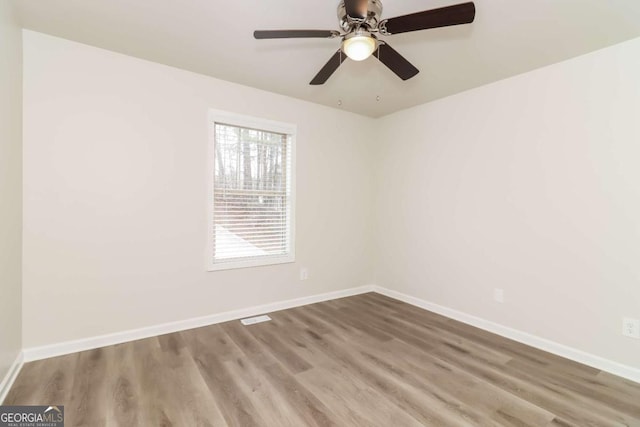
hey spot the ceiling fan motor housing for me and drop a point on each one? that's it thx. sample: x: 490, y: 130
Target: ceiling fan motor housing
x: 348, y: 23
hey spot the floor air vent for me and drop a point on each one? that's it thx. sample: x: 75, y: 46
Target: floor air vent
x: 254, y: 320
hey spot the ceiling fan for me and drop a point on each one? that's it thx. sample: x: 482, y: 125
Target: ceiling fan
x: 360, y: 23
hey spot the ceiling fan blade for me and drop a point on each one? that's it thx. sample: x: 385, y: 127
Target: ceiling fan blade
x: 329, y: 68
x: 395, y: 62
x: 295, y: 34
x: 356, y: 9
x: 443, y: 17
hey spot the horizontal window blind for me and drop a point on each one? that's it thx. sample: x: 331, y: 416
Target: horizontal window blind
x: 252, y: 194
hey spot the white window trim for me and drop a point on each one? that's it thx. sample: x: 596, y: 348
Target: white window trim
x: 217, y: 116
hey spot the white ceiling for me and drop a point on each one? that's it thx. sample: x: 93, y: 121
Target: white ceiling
x: 215, y: 37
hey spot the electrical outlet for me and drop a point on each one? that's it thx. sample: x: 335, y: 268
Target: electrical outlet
x: 498, y: 295
x: 631, y: 327
x: 304, y: 274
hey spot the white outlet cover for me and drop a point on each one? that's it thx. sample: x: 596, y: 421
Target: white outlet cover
x: 304, y: 274
x: 498, y: 295
x: 631, y: 327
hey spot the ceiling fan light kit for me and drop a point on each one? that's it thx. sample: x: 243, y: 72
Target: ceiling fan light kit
x: 360, y: 22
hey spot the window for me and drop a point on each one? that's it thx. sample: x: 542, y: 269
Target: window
x: 251, y: 205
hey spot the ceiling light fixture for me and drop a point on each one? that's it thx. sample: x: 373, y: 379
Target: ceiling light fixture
x: 359, y: 45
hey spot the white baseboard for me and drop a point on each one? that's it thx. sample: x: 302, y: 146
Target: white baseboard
x: 59, y: 349
x: 11, y: 376
x: 562, y: 350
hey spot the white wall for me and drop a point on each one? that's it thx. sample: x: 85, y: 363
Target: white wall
x: 115, y: 195
x: 531, y: 184
x: 10, y: 187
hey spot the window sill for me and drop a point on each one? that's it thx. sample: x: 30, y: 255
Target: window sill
x: 250, y: 263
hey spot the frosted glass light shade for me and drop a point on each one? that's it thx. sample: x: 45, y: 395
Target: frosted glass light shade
x: 359, y: 48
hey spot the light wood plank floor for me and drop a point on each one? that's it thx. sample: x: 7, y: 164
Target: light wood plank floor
x: 366, y: 360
